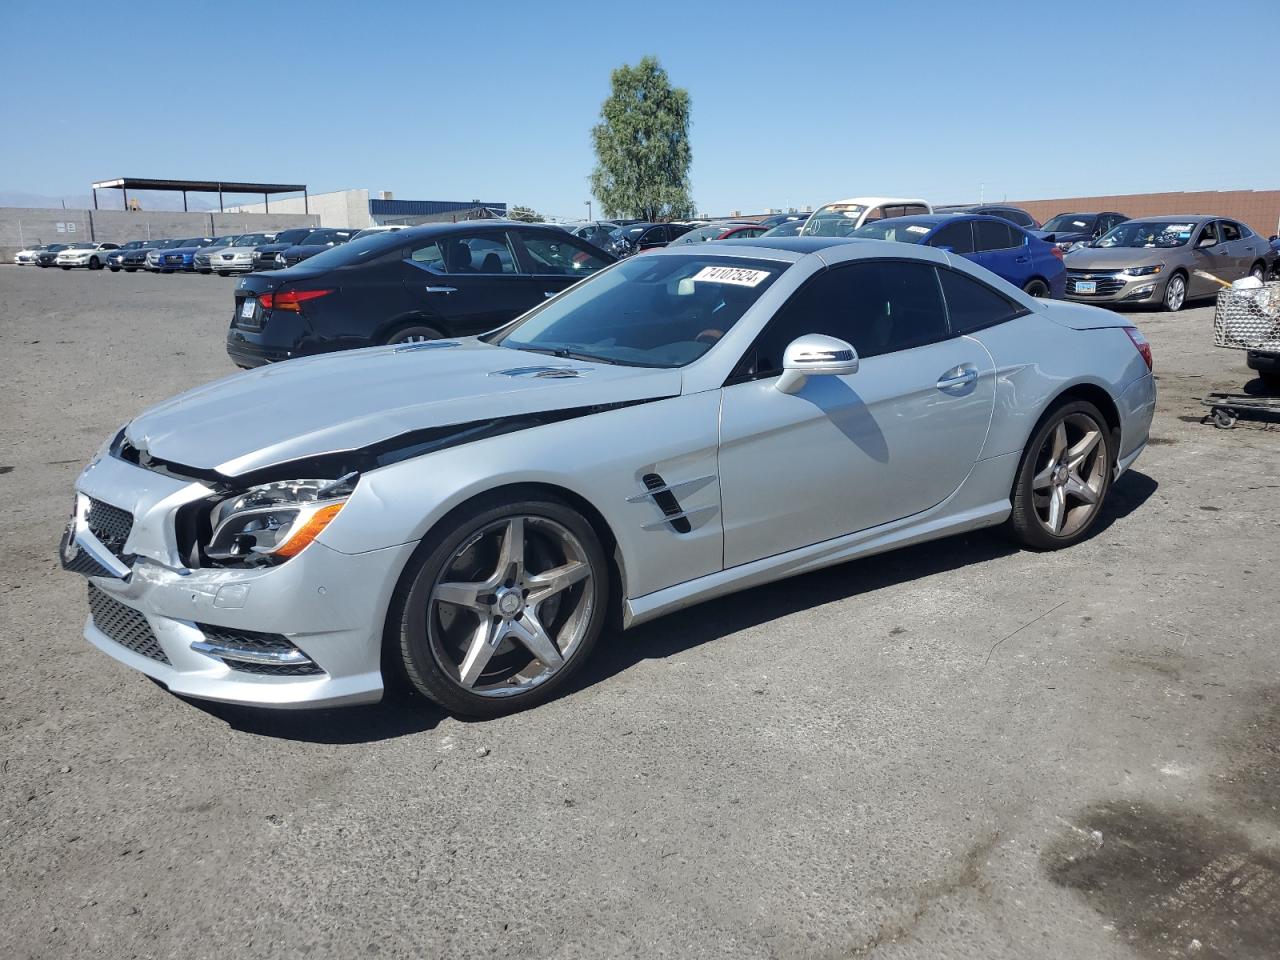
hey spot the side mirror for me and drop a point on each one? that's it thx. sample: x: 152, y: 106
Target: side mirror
x: 815, y: 355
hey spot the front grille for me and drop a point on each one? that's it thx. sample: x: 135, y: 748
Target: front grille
x: 251, y: 642
x: 123, y: 624
x: 112, y: 526
x: 173, y: 258
x: 1108, y: 283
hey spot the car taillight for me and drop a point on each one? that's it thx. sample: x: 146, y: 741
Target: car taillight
x: 290, y: 299
x: 1139, y: 341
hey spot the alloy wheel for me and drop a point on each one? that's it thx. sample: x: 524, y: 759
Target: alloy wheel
x: 1070, y: 475
x: 512, y: 606
x: 1176, y: 293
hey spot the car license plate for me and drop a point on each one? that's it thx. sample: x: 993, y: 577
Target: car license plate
x: 247, y: 308
x: 1086, y: 286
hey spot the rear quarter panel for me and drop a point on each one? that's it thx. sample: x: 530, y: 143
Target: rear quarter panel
x: 1038, y: 360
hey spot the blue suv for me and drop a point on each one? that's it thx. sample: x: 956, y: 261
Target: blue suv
x: 1008, y: 251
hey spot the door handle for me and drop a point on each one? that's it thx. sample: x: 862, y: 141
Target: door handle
x: 431, y: 289
x: 959, y: 377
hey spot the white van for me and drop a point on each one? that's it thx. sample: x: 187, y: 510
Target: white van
x: 841, y: 218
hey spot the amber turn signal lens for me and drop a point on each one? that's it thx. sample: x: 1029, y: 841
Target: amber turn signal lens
x: 309, y: 531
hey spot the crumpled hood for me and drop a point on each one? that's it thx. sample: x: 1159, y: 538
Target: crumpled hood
x: 344, y: 401
x: 1117, y: 258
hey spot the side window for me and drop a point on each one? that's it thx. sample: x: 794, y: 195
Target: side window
x: 992, y: 235
x: 488, y: 254
x: 957, y: 236
x: 1209, y: 235
x: 879, y: 306
x: 1230, y: 231
x: 874, y: 214
x: 428, y: 257
x: 972, y: 305
x: 1016, y: 216
x: 563, y: 256
x: 914, y: 210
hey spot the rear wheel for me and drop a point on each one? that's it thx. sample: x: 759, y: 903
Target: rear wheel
x: 1270, y: 379
x: 500, y: 606
x: 1036, y: 288
x: 1259, y: 272
x: 1063, y: 478
x: 419, y: 333
x: 1175, y: 293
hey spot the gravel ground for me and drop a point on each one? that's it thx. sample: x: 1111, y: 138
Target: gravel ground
x: 957, y: 750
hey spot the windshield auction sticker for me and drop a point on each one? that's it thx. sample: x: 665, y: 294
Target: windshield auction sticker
x: 740, y: 276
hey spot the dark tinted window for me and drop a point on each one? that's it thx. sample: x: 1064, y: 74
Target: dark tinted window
x: 914, y: 210
x: 296, y: 235
x: 878, y: 306
x: 1208, y: 236
x: 957, y: 236
x: 1230, y: 231
x: 1013, y: 216
x: 485, y: 254
x: 994, y: 235
x: 973, y: 305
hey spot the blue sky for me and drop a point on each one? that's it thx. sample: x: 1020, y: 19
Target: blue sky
x: 794, y: 102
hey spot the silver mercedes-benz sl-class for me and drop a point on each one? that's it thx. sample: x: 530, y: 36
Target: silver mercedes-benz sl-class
x: 471, y: 514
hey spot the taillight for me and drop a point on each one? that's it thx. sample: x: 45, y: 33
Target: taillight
x: 290, y: 299
x: 1139, y: 341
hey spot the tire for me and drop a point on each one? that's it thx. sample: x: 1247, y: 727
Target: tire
x: 95, y: 263
x: 1259, y: 271
x: 1043, y: 468
x: 1036, y: 288
x: 437, y: 642
x: 1175, y: 293
x: 224, y: 273
x: 1271, y: 380
x: 414, y: 334
x: 114, y: 269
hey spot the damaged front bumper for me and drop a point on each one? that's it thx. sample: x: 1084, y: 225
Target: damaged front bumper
x: 304, y: 633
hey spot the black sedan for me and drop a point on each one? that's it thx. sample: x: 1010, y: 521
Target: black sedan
x: 424, y: 283
x: 317, y: 241
x: 49, y: 254
x: 633, y: 238
x: 118, y: 260
x: 1068, y: 230
x: 264, y: 255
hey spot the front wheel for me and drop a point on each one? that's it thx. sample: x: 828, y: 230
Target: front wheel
x: 1175, y: 293
x: 1063, y: 478
x: 501, y: 606
x: 95, y: 263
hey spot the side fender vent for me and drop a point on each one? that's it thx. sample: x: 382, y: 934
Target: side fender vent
x: 667, y: 502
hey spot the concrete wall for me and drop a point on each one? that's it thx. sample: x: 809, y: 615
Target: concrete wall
x: 342, y: 208
x: 1260, y: 209
x: 23, y: 226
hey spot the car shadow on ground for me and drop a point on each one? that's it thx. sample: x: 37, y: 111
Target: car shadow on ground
x: 403, y: 713
x: 679, y: 632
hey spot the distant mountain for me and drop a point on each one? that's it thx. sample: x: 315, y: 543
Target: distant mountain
x: 110, y: 200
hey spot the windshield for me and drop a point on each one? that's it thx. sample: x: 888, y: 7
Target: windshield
x: 224, y: 241
x: 701, y: 235
x: 355, y: 251
x: 834, y: 220
x: 81, y: 245
x: 902, y: 230
x: 252, y: 239
x: 195, y: 242
x: 294, y: 236
x: 1070, y: 223
x: 663, y: 311
x: 134, y: 245
x: 791, y: 228
x: 1147, y: 233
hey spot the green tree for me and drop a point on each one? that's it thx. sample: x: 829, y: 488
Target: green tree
x: 642, y: 146
x: 525, y: 214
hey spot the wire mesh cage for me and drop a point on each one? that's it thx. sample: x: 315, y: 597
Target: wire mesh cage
x: 1248, y: 319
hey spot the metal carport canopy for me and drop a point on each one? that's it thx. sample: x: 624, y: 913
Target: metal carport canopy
x: 184, y: 187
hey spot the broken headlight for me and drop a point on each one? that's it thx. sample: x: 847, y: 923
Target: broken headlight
x: 275, y: 521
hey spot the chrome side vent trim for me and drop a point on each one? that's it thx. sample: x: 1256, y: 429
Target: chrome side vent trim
x: 417, y: 345
x: 552, y: 373
x: 663, y: 495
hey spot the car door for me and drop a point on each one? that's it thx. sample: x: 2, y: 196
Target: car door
x: 1237, y: 248
x: 845, y: 454
x: 470, y: 282
x: 552, y: 262
x: 1210, y: 254
x: 1000, y: 248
